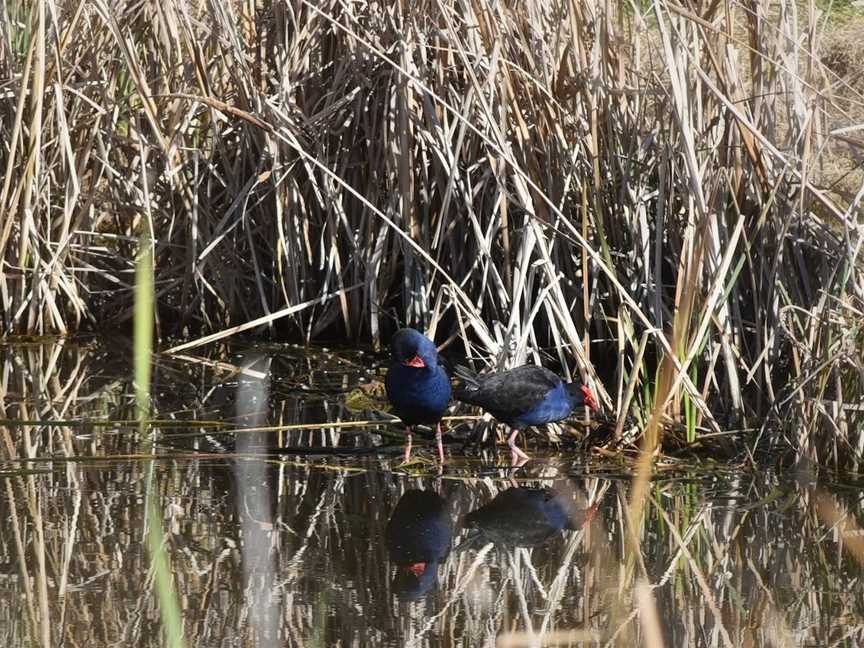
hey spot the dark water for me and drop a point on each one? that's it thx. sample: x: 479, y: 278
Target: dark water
x: 308, y: 547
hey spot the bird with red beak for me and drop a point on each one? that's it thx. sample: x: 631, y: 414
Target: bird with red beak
x: 418, y: 388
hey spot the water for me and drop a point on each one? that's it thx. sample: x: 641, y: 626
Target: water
x: 310, y: 549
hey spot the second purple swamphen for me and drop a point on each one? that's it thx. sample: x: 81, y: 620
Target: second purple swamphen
x: 417, y: 385
x: 524, y: 517
x: 522, y: 397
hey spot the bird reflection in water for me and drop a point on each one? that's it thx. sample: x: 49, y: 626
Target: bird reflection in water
x: 523, y: 517
x: 418, y: 538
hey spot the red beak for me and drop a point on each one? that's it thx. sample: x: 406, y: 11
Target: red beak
x: 417, y: 569
x: 416, y: 361
x: 590, y: 401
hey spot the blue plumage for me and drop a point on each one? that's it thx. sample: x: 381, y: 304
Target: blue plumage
x: 523, y: 397
x: 418, y: 388
x: 556, y: 405
x: 523, y: 517
x: 418, y: 396
x: 418, y: 538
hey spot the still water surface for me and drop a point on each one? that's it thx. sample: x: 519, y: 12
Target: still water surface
x: 312, y: 547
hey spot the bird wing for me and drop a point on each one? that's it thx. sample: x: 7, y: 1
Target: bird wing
x: 508, y: 394
x: 466, y: 376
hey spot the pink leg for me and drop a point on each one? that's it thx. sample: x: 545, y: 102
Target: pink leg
x: 589, y: 514
x: 517, y: 457
x: 407, y: 443
x: 439, y: 443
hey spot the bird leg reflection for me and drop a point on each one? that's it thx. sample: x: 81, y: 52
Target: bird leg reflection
x: 407, y: 443
x: 438, y: 486
x: 517, y: 457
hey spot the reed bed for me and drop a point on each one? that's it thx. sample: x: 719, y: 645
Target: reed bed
x: 660, y: 198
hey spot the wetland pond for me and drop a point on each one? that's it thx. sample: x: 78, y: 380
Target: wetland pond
x: 277, y: 540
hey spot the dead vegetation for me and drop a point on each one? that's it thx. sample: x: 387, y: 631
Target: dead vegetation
x: 643, y: 191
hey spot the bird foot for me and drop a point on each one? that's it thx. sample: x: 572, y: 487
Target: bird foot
x: 518, y: 458
x: 439, y: 443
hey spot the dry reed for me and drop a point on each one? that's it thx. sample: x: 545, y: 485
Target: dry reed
x: 580, y: 183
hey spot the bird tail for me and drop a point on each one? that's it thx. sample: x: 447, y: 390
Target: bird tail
x: 472, y: 540
x: 466, y: 375
x: 468, y: 383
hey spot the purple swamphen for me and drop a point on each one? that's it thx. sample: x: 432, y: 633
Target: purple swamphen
x: 418, y: 538
x: 523, y: 517
x: 522, y: 397
x: 417, y: 385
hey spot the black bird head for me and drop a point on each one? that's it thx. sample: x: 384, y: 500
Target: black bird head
x: 413, y: 349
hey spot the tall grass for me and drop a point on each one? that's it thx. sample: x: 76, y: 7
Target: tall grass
x: 637, y: 188
x: 169, y: 607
